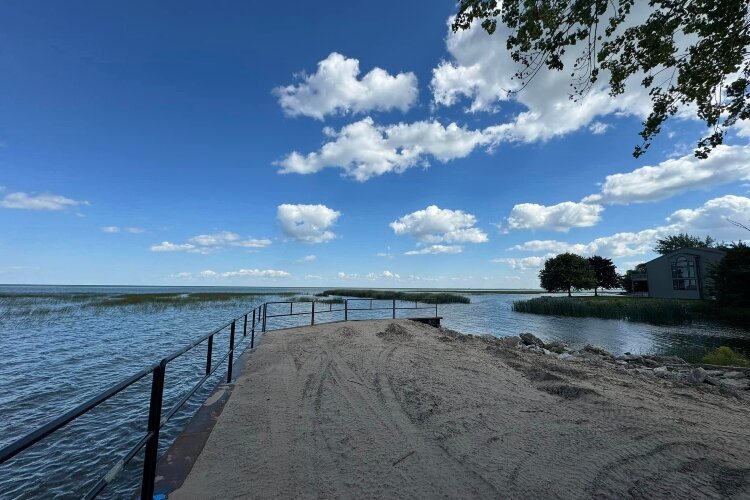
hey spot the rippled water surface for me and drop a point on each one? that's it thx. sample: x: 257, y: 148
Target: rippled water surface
x: 58, y: 349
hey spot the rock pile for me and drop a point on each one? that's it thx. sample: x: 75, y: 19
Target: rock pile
x: 664, y: 367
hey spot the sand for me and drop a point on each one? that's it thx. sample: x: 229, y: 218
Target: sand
x: 387, y: 409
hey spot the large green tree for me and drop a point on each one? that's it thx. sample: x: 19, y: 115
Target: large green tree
x: 682, y: 240
x: 566, y: 272
x: 605, y: 273
x: 730, y: 279
x: 685, y: 52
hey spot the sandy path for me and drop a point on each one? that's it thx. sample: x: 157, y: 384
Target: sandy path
x: 397, y: 409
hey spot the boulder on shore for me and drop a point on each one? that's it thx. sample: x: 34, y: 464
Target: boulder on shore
x: 597, y: 350
x: 531, y: 339
x: 556, y: 346
x: 698, y: 375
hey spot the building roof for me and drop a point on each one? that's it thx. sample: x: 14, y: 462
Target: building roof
x: 688, y: 250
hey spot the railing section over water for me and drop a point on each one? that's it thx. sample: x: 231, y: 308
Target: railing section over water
x: 258, y: 319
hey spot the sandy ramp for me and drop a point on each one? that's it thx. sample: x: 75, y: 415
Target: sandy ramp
x: 387, y: 409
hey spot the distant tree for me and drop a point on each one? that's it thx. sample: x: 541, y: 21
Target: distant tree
x: 605, y: 273
x: 566, y: 272
x: 729, y: 280
x: 627, y: 279
x: 682, y: 240
x: 684, y: 52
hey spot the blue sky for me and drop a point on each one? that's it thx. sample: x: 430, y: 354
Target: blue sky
x: 152, y: 144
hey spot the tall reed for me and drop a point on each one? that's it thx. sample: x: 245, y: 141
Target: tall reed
x: 429, y: 297
x: 654, y: 311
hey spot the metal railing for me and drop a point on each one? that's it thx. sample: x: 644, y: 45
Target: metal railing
x: 251, y: 320
x: 346, y: 309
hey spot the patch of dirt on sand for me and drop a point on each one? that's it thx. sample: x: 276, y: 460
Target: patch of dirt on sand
x: 536, y: 375
x: 567, y: 391
x: 346, y: 331
x: 395, y: 332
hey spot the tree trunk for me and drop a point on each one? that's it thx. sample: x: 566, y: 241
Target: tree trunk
x: 569, y: 294
x: 596, y: 294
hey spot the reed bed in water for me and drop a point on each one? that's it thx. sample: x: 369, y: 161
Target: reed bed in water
x: 321, y: 300
x: 175, y: 299
x: 429, y: 297
x: 31, y: 305
x: 654, y: 311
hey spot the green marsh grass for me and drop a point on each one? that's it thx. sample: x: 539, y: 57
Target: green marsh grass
x: 44, y: 305
x: 429, y: 297
x: 320, y: 300
x: 654, y: 311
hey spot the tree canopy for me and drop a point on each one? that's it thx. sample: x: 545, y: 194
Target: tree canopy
x: 565, y: 272
x: 685, y: 52
x: 730, y: 278
x: 605, y: 273
x: 682, y: 240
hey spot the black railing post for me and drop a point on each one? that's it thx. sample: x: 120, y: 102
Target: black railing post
x: 265, y: 314
x: 154, y: 424
x: 312, y: 313
x: 346, y: 310
x: 231, y: 353
x: 394, y: 308
x: 252, y: 332
x: 244, y: 327
x: 436, y: 303
x: 209, y: 352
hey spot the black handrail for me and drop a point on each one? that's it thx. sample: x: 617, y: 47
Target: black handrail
x: 157, y: 419
x: 346, y: 308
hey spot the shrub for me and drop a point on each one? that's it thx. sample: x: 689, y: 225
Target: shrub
x: 725, y: 356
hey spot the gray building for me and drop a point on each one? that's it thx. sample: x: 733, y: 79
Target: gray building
x: 677, y: 275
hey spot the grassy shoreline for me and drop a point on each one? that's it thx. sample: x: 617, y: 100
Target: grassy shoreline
x: 636, y: 309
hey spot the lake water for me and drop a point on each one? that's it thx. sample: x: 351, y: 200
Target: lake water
x: 57, y: 350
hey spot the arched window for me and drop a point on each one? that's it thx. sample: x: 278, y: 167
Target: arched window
x: 683, y: 274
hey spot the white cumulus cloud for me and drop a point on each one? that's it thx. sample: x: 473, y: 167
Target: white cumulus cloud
x: 51, y: 202
x: 255, y: 273
x: 166, y: 246
x: 560, y: 217
x: 533, y: 262
x: 228, y: 238
x: 245, y: 273
x: 675, y: 176
x: 210, y: 243
x: 440, y: 225
x: 364, y: 150
x: 710, y: 218
x: 336, y: 89
x: 117, y: 229
x: 347, y: 276
x: 435, y: 249
x: 307, y: 223
x: 481, y: 71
